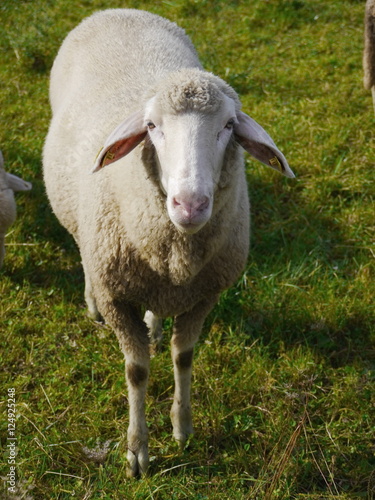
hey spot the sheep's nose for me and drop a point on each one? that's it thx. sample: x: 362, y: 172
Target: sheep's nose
x: 189, y: 211
x: 191, y: 207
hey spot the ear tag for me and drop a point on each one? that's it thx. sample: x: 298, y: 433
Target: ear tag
x: 108, y: 156
x: 275, y: 163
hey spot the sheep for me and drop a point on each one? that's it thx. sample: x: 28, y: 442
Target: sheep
x: 8, y: 184
x: 163, y: 224
x: 369, y: 49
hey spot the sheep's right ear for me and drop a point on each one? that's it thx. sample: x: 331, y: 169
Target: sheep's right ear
x: 16, y: 183
x: 122, y: 140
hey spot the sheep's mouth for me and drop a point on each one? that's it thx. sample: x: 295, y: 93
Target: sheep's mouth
x: 189, y: 227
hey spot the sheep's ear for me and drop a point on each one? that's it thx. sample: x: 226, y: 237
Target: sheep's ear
x: 16, y: 183
x: 259, y: 144
x: 122, y: 140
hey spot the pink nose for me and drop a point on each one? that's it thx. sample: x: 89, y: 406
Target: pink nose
x: 190, y: 208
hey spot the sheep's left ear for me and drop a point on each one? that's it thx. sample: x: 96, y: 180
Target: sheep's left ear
x: 259, y: 144
x: 122, y: 140
x: 16, y: 183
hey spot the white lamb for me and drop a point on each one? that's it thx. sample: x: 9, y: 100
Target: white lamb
x: 8, y: 184
x: 165, y: 228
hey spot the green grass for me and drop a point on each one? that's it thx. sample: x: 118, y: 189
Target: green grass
x: 283, y: 394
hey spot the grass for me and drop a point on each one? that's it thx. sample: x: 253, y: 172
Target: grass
x: 283, y: 394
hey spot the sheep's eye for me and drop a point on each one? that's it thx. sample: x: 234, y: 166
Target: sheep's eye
x: 230, y: 124
x: 150, y: 125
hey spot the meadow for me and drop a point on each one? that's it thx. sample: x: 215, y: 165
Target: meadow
x: 283, y: 394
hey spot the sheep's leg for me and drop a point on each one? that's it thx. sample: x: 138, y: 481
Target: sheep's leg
x: 155, y: 326
x: 92, y: 310
x: 132, y: 334
x: 137, y: 376
x: 186, y: 331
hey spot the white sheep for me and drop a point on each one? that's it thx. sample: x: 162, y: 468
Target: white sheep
x: 8, y: 184
x: 369, y: 50
x: 165, y: 228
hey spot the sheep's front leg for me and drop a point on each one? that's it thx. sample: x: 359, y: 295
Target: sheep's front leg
x: 132, y: 334
x: 186, y: 331
x: 137, y: 376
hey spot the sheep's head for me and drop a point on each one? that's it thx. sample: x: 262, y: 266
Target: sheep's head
x: 8, y: 184
x: 190, y: 119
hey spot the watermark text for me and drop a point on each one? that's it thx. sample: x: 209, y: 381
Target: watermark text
x: 11, y: 440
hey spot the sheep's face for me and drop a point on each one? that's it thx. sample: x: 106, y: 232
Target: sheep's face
x: 190, y: 119
x: 190, y: 145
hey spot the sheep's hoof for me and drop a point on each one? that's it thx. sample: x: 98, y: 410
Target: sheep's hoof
x: 182, y: 438
x: 182, y: 423
x: 137, y: 462
x: 181, y: 443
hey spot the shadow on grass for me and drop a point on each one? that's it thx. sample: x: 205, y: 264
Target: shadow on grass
x: 302, y: 266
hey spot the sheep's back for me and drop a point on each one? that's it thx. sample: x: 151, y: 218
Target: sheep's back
x: 118, y: 53
x: 102, y: 72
